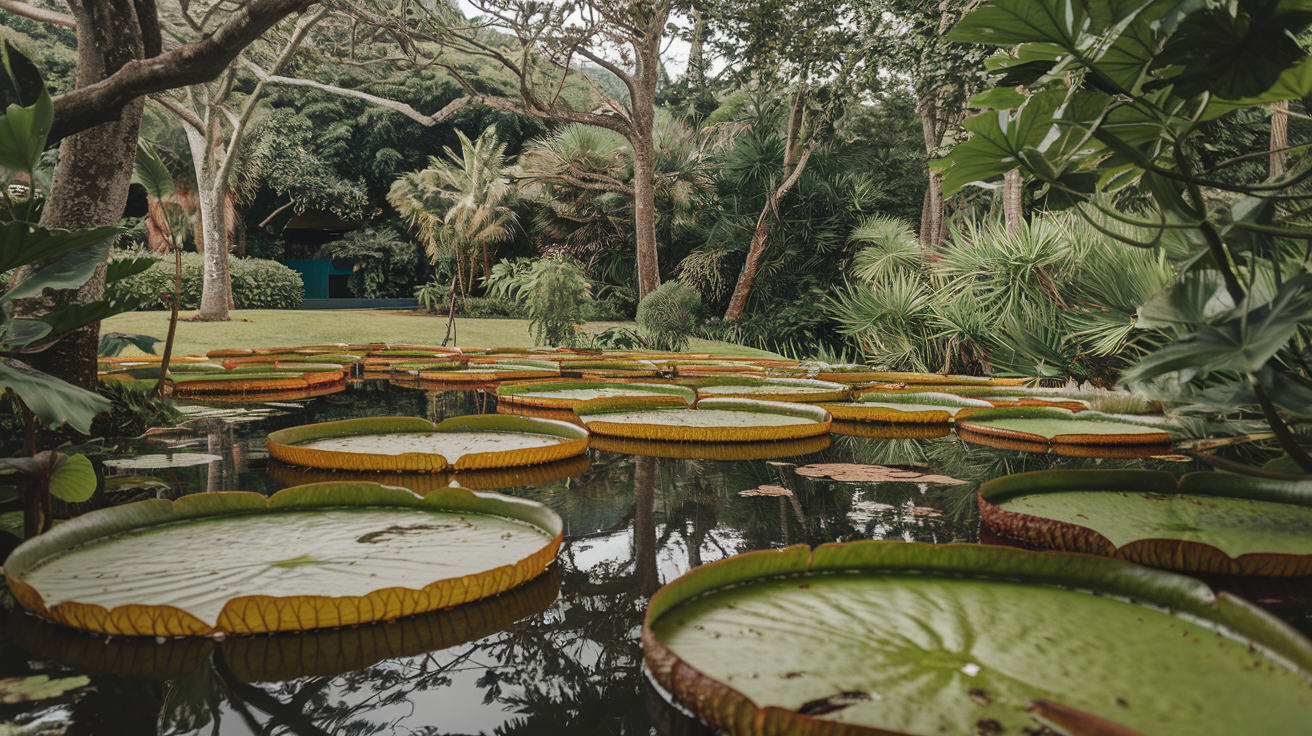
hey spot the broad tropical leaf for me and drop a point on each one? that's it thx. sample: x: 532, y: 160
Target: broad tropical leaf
x: 53, y: 401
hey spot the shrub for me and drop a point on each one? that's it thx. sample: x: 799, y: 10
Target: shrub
x: 490, y: 307
x: 386, y: 266
x: 559, y: 301
x: 1055, y: 300
x: 670, y: 315
x: 256, y: 283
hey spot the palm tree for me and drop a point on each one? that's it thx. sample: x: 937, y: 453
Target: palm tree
x: 461, y: 204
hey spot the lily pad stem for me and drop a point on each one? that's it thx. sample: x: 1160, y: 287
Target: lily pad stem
x: 1287, y: 441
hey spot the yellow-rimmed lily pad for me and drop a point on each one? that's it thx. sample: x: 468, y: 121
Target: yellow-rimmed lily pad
x: 489, y: 479
x: 725, y: 451
x: 713, y: 420
x: 316, y: 556
x: 1062, y: 427
x: 287, y: 656
x: 904, y: 408
x: 565, y: 394
x: 886, y: 638
x: 411, y: 444
x: 769, y: 389
x: 1205, y: 522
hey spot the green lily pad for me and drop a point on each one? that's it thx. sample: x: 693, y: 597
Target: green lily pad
x: 1207, y: 522
x: 770, y: 389
x: 341, y: 554
x: 899, y: 638
x: 1062, y: 426
x: 565, y: 394
x: 713, y: 420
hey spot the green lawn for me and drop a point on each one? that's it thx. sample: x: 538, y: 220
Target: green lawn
x: 261, y: 328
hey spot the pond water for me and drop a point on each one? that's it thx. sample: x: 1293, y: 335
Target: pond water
x: 559, y: 656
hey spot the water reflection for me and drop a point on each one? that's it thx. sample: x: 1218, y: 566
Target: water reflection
x: 634, y: 519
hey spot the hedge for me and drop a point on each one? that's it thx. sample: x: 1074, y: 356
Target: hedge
x: 256, y: 283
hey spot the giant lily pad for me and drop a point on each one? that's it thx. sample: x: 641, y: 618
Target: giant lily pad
x: 1062, y: 427
x: 770, y: 389
x: 713, y: 420
x: 244, y: 379
x: 904, y: 408
x: 282, y: 657
x: 733, y: 451
x: 884, y: 638
x: 410, y: 444
x: 323, y: 555
x: 501, y: 371
x: 1206, y: 522
x: 490, y: 479
x: 565, y: 394
x: 889, y: 431
x: 853, y: 374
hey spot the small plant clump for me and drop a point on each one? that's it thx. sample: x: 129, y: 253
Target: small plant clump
x: 559, y: 300
x: 669, y: 316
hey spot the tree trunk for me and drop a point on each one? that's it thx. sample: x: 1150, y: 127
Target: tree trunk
x: 764, y: 224
x: 90, y: 187
x: 1279, y: 138
x: 644, y: 212
x: 1011, y: 200
x: 216, y: 291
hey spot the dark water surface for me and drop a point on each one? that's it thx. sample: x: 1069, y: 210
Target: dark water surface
x: 558, y: 656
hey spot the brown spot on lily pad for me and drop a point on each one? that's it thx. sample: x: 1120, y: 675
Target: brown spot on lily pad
x: 833, y: 703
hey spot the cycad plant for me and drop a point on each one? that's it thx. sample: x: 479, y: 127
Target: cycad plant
x: 461, y: 205
x: 1050, y: 300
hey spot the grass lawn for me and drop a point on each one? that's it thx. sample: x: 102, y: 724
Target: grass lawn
x: 264, y: 328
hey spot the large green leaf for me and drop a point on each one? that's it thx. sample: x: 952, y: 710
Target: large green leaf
x: 921, y: 639
x: 18, y: 333
x: 74, y: 480
x: 22, y: 243
x: 998, y: 139
x: 149, y: 171
x: 1243, y: 342
x: 1058, y: 22
x: 26, y: 122
x: 114, y: 343
x: 53, y: 401
x: 122, y: 268
x: 69, y: 272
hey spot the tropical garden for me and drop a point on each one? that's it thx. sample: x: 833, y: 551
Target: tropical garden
x: 656, y: 366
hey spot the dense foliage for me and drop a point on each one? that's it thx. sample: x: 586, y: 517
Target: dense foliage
x: 256, y: 284
x: 1056, y: 300
x: 668, y: 318
x: 1103, y: 99
x: 558, y: 296
x: 385, y: 264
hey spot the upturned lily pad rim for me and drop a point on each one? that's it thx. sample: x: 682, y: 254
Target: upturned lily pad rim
x: 237, y: 616
x: 1175, y: 554
x: 728, y: 709
x: 977, y: 421
x: 284, y: 444
x: 592, y: 413
x: 288, y: 655
x: 522, y: 392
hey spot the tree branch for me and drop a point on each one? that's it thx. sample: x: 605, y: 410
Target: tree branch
x: 619, y: 125
x: 38, y: 14
x: 194, y: 63
x: 401, y: 107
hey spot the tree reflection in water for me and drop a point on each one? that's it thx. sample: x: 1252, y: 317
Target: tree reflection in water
x: 632, y: 523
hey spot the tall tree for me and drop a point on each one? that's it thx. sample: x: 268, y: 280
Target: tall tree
x: 946, y: 74
x: 120, y: 60
x: 811, y: 49
x: 543, y: 46
x: 461, y: 205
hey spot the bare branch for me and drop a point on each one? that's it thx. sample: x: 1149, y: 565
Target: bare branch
x: 38, y: 14
x: 186, y: 116
x: 609, y: 122
x: 401, y: 107
x: 194, y: 63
